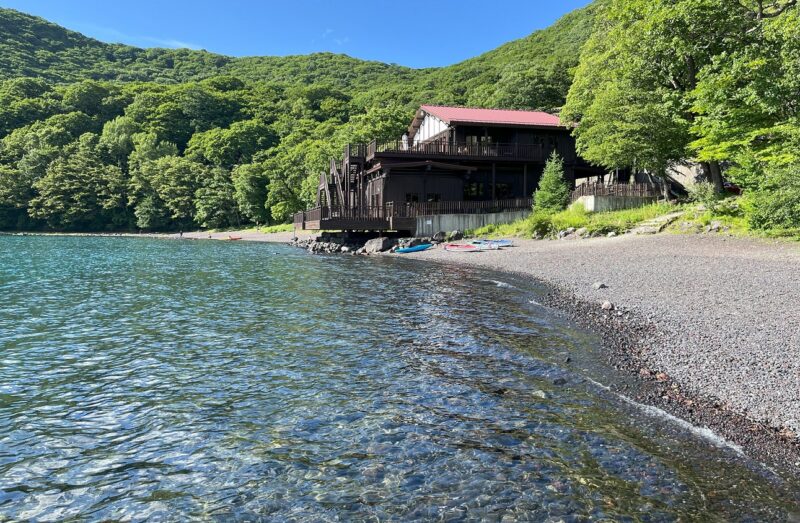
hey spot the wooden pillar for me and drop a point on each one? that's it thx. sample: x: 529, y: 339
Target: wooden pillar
x: 494, y: 184
x: 525, y: 179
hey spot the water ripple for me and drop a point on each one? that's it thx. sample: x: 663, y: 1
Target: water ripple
x: 150, y: 380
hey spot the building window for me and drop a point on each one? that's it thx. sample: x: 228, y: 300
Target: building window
x: 433, y: 197
x: 473, y: 190
x: 475, y: 140
x: 412, y: 197
x: 503, y: 191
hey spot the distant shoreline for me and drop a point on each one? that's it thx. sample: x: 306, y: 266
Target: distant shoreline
x: 244, y: 235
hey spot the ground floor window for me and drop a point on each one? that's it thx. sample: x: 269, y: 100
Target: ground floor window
x: 474, y: 190
x: 412, y: 197
x: 503, y: 191
x: 433, y: 197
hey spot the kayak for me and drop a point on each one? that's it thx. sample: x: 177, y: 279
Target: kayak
x: 460, y: 247
x: 234, y: 238
x: 416, y: 248
x: 488, y: 246
x: 499, y: 243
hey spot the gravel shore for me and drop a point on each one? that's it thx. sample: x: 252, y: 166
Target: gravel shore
x: 714, y: 320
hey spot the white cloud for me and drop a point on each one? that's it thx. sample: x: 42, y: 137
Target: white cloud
x: 114, y: 35
x: 174, y: 44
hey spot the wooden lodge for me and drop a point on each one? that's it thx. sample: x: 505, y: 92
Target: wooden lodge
x: 452, y: 160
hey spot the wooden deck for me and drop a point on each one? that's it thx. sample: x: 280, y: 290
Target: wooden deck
x: 396, y: 215
x: 440, y: 150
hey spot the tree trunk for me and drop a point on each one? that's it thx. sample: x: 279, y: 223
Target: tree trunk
x: 716, y: 177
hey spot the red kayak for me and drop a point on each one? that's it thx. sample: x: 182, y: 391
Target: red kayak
x: 459, y: 247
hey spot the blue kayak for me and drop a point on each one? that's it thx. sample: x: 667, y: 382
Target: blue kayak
x: 498, y: 243
x: 418, y: 248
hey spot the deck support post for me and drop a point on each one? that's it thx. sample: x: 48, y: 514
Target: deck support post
x: 525, y: 179
x: 494, y: 180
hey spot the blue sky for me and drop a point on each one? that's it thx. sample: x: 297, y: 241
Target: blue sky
x: 412, y: 33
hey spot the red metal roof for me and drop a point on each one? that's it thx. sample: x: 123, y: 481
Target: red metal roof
x: 492, y: 116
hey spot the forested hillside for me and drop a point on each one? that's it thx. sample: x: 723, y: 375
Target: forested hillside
x: 97, y: 136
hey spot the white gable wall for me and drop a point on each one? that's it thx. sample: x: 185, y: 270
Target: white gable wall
x: 431, y: 126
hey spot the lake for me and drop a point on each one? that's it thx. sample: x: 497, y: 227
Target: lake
x: 169, y: 380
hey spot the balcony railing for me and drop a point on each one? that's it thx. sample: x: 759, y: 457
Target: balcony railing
x: 410, y: 210
x: 355, y: 150
x: 510, y: 151
x: 620, y: 189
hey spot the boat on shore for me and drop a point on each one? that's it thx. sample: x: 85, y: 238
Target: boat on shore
x: 498, y: 243
x: 416, y: 248
x: 462, y: 247
x: 234, y: 238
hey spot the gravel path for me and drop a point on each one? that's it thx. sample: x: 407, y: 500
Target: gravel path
x: 725, y: 311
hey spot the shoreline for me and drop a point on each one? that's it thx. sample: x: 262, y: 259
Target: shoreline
x: 632, y: 337
x: 244, y: 235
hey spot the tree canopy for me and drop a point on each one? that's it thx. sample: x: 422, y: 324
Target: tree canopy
x: 660, y: 81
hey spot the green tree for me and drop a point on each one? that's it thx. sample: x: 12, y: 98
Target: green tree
x: 552, y: 195
x: 116, y: 140
x: 641, y: 94
x: 24, y: 101
x: 250, y: 191
x: 747, y: 101
x: 214, y: 201
x: 79, y: 191
x: 519, y: 87
x: 175, y: 180
x: 232, y: 146
x: 146, y: 149
x: 151, y: 214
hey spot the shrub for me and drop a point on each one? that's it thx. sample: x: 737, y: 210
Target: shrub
x: 716, y: 204
x: 703, y: 193
x: 553, y: 192
x: 776, y: 205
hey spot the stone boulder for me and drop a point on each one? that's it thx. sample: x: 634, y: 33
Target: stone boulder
x: 404, y: 243
x: 439, y: 237
x: 455, y: 236
x: 376, y: 245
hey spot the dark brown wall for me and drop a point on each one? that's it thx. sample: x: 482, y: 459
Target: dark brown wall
x: 449, y: 186
x: 561, y: 140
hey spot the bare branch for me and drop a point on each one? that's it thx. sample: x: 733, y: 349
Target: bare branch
x: 769, y: 10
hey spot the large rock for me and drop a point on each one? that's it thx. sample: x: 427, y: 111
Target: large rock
x: 409, y: 242
x: 378, y: 245
x: 455, y: 236
x: 439, y: 237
